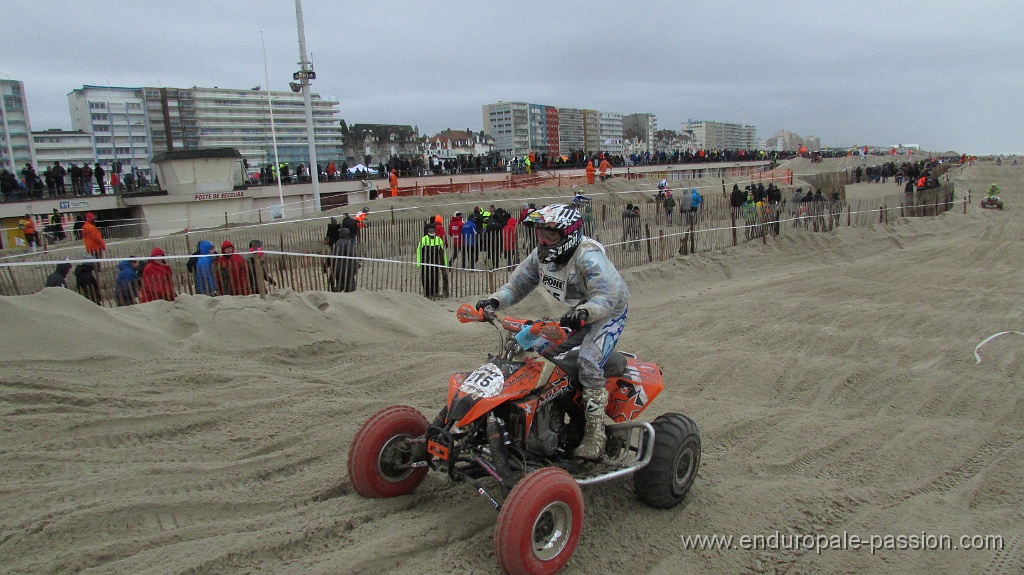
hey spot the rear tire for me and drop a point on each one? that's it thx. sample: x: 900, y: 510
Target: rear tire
x: 380, y: 447
x: 540, y: 523
x: 666, y: 480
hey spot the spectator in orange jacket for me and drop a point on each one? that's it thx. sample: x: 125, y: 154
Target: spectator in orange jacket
x: 233, y: 277
x: 393, y: 180
x: 92, y: 238
x: 604, y: 167
x: 439, y: 222
x: 590, y: 172
x: 157, y: 279
x: 28, y: 227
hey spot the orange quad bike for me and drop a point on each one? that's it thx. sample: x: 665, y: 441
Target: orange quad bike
x: 509, y: 429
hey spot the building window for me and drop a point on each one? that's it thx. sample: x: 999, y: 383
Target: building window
x: 102, y: 139
x: 134, y: 106
x: 101, y: 128
x: 100, y: 117
x: 97, y: 105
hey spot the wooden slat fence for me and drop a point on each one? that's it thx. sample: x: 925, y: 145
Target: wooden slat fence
x: 388, y: 245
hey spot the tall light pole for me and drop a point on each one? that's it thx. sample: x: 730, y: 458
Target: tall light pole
x: 305, y: 74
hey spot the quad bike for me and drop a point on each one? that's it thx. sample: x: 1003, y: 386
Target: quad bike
x: 991, y: 199
x: 509, y: 429
x: 992, y: 202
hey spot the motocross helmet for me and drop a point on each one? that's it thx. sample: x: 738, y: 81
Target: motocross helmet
x: 567, y: 222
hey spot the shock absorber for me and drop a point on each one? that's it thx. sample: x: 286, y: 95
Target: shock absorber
x: 497, y: 439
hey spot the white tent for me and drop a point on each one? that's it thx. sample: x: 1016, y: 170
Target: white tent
x: 358, y: 167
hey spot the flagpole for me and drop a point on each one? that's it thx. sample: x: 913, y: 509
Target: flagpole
x: 273, y: 131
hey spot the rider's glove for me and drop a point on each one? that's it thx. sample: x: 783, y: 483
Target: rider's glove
x: 574, y: 319
x: 492, y: 302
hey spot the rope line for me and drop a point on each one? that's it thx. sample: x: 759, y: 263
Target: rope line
x: 977, y: 357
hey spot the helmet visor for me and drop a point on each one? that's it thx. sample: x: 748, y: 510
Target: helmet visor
x: 547, y: 237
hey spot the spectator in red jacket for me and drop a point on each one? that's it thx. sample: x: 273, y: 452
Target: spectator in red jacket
x: 524, y: 211
x: 233, y: 277
x: 455, y: 231
x: 508, y: 242
x: 157, y: 279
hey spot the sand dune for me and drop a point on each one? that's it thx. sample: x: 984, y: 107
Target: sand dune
x: 832, y: 376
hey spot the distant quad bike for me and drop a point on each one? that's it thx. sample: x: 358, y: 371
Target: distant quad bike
x: 509, y: 429
x: 991, y: 199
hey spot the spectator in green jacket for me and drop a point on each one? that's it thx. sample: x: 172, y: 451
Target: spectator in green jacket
x: 432, y: 260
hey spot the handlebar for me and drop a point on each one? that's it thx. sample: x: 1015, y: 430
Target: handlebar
x: 546, y: 328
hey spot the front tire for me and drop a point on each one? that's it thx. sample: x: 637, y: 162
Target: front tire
x: 381, y: 450
x: 540, y: 523
x: 666, y: 480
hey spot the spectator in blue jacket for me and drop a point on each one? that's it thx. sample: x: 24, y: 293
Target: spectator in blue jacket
x: 206, y: 277
x: 695, y: 200
x: 470, y: 235
x: 126, y: 287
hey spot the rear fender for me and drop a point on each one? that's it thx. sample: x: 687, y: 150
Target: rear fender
x: 630, y: 393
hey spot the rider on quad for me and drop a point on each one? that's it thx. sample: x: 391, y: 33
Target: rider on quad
x: 575, y: 270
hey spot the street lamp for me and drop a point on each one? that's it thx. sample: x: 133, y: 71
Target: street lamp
x: 305, y: 75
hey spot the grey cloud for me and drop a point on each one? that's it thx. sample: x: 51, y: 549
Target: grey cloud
x: 939, y: 73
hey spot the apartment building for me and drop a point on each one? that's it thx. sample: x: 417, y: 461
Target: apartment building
x: 115, y: 118
x: 509, y: 124
x: 610, y: 133
x: 16, y: 148
x: 722, y: 135
x: 66, y: 147
x: 130, y: 125
x: 591, y: 130
x: 642, y: 128
x: 520, y: 127
x: 570, y: 130
x: 190, y: 118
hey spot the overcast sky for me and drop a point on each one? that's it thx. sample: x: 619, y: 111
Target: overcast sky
x: 944, y: 74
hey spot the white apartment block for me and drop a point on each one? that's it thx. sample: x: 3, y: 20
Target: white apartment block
x: 509, y: 124
x: 74, y: 147
x: 240, y: 119
x: 116, y: 119
x: 722, y: 135
x: 130, y: 125
x: 610, y: 126
x: 16, y: 147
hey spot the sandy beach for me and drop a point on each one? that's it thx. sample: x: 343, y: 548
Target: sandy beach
x: 832, y: 375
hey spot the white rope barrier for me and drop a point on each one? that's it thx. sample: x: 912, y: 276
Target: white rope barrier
x: 383, y: 260
x: 977, y: 357
x: 242, y: 227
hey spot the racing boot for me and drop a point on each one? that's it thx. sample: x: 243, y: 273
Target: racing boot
x: 593, y: 444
